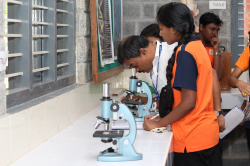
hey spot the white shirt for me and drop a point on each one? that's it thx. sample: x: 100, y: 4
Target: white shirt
x: 166, y: 53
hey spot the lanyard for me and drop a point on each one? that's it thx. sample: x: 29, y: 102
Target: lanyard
x: 155, y: 87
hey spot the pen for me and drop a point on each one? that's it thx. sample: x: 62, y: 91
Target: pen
x: 154, y: 117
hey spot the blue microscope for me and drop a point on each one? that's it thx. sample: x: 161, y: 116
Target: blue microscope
x: 124, y: 144
x: 140, y: 87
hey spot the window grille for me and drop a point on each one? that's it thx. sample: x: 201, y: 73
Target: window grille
x: 240, y: 27
x: 41, y: 48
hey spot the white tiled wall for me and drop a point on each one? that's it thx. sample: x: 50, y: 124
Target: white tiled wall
x: 25, y: 130
x: 50, y: 118
x: 5, y: 141
x: 36, y: 125
x: 19, y: 134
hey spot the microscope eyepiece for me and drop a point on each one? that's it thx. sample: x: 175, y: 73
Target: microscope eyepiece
x: 105, y: 90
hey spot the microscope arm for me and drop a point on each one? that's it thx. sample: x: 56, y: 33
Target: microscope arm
x: 149, y: 94
x: 122, y: 112
x: 142, y: 87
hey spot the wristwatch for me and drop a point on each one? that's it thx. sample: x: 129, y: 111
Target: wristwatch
x: 218, y: 113
x: 218, y: 53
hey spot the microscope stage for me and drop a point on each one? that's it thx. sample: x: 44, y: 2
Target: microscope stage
x: 132, y: 102
x: 110, y: 134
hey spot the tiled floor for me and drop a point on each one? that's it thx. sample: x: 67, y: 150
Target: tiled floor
x: 75, y: 146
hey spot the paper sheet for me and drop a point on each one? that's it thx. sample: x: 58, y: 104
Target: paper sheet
x: 233, y: 118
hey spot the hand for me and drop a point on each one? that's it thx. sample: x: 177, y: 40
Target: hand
x: 221, y: 121
x: 127, y: 98
x: 122, y: 98
x: 216, y: 43
x: 150, y: 124
x: 135, y: 98
x: 244, y: 88
x: 148, y: 117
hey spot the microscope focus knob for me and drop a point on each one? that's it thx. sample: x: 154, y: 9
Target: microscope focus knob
x: 121, y: 116
x: 139, y: 83
x: 114, y: 107
x: 126, y: 142
x: 114, y: 142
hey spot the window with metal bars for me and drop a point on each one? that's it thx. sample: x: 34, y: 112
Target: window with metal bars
x: 40, y: 36
x: 240, y: 27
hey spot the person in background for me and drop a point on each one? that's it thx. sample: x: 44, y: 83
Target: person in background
x: 152, y: 33
x: 148, y: 57
x: 209, y: 26
x: 189, y: 92
x: 248, y: 43
x: 242, y: 65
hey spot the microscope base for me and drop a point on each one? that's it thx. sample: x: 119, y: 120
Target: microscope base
x: 113, y: 156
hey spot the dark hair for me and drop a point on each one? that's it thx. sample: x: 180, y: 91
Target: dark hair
x: 152, y: 30
x: 208, y: 18
x: 130, y: 47
x: 177, y: 16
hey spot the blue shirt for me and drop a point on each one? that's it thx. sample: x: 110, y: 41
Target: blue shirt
x: 186, y: 71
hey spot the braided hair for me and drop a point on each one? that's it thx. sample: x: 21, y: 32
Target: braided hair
x: 177, y: 16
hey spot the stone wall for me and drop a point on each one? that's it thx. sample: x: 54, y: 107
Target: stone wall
x: 139, y: 13
x: 136, y: 15
x: 83, y: 41
x: 2, y: 48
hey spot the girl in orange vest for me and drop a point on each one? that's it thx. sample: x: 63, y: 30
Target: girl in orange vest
x: 189, y: 99
x: 242, y: 65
